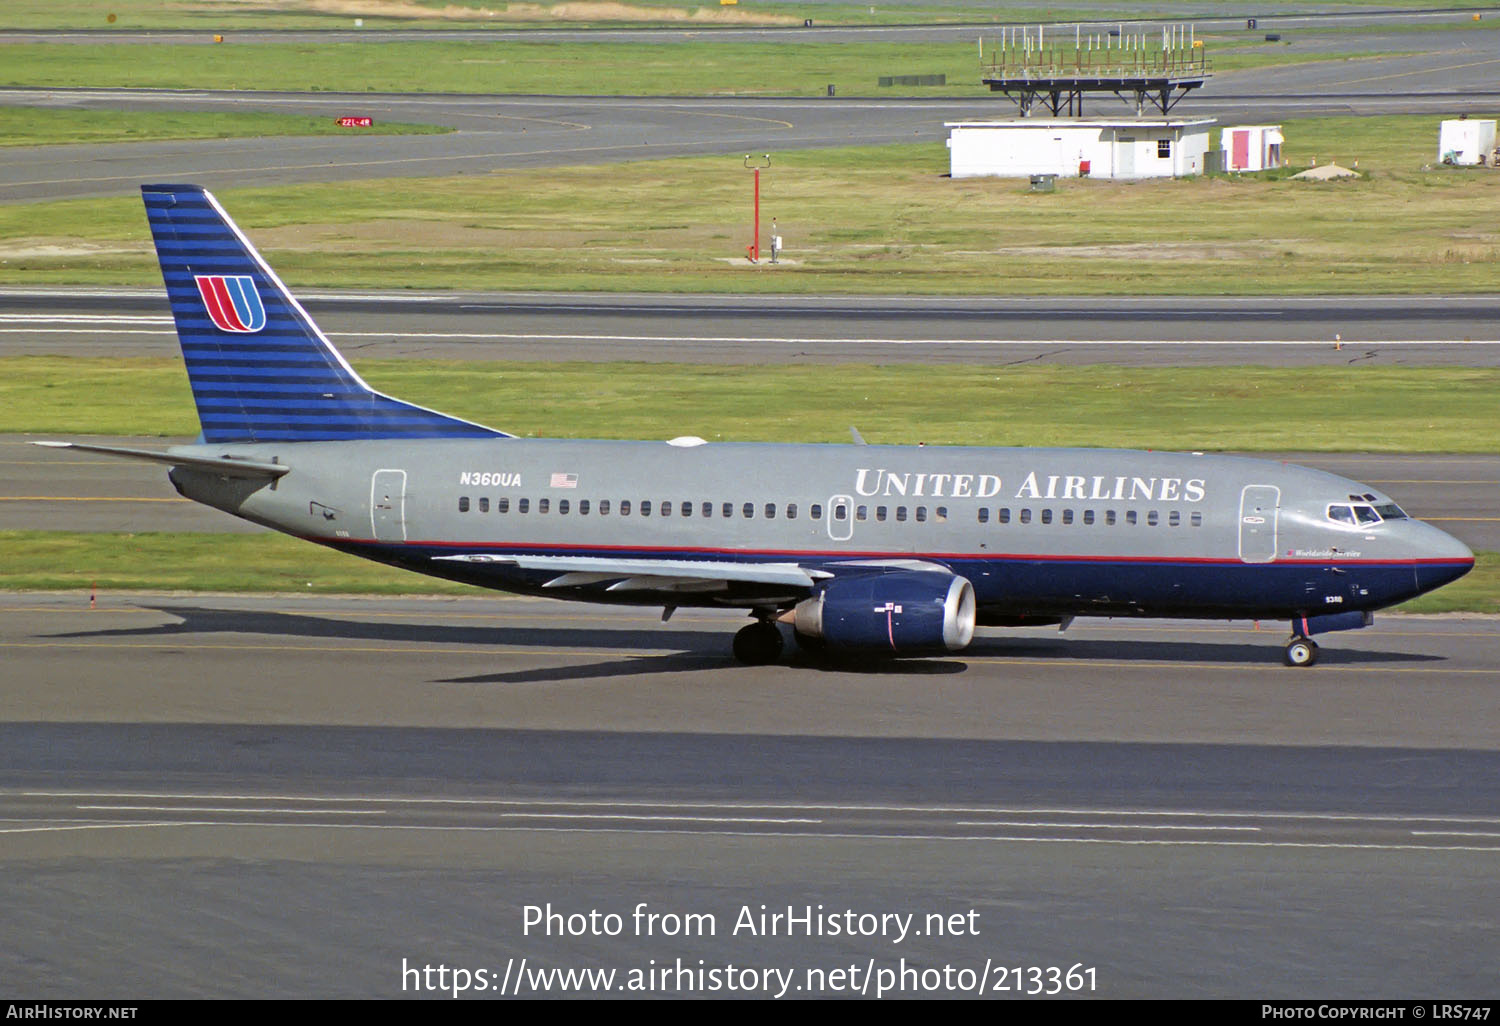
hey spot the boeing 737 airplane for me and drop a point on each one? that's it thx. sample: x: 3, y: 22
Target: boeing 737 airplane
x: 857, y: 548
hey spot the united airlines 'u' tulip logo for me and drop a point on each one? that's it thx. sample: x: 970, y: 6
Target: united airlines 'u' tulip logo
x: 232, y: 302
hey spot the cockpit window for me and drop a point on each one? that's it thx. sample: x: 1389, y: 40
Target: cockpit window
x: 1362, y: 515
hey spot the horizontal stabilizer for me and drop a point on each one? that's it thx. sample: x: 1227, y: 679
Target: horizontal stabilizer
x: 228, y: 466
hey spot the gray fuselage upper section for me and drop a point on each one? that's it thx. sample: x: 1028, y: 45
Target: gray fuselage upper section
x: 813, y: 502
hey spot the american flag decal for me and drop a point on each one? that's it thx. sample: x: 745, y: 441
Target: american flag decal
x: 564, y: 480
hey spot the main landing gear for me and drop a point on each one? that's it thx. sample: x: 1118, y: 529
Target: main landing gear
x: 758, y: 644
x: 1301, y: 652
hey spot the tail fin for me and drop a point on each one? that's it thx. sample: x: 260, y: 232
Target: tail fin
x: 259, y: 367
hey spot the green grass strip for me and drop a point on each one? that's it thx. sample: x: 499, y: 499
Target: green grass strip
x: 497, y: 14
x: 64, y: 561
x: 685, y: 68
x: 1331, y: 409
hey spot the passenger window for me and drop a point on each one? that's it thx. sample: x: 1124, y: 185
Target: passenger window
x: 1197, y: 519
x: 921, y: 514
x: 583, y: 507
x: 984, y: 514
x: 880, y: 512
x: 708, y: 509
x: 1067, y: 516
x: 1174, y: 519
x: 841, y: 512
x: 770, y: 511
x: 1025, y: 516
x: 901, y: 514
x: 562, y: 506
x: 748, y: 510
x: 1088, y: 516
x: 862, y: 513
x: 502, y: 505
x: 1109, y: 518
x: 815, y: 512
x: 728, y: 509
x: 645, y: 507
x: 484, y: 505
x: 1046, y: 516
x: 687, y: 509
x: 543, y: 505
x: 624, y: 507
x: 1151, y: 518
x: 1130, y: 517
x: 940, y: 514
x: 523, y: 506
x: 666, y: 507
x: 791, y: 511
x: 463, y: 504
x: 604, y: 507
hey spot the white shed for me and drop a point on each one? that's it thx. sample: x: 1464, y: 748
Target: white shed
x: 1251, y: 147
x: 1068, y: 147
x: 1469, y: 141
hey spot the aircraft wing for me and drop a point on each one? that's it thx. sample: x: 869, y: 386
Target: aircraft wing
x: 683, y: 575
x: 229, y: 466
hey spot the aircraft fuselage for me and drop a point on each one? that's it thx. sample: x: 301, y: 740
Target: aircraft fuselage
x: 1039, y: 532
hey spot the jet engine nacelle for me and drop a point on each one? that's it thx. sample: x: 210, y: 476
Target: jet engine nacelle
x: 906, y: 611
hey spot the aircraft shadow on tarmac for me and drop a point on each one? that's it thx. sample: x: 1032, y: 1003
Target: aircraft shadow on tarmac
x: 707, y: 649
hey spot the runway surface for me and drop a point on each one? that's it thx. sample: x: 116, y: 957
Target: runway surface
x: 992, y: 331
x: 327, y: 787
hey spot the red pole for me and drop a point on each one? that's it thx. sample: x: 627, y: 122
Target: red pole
x: 756, y: 244
x: 753, y: 250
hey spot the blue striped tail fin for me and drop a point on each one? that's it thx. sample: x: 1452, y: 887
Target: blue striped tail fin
x: 259, y: 367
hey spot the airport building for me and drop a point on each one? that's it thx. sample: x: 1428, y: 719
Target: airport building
x: 1123, y: 148
x: 1466, y: 141
x: 1251, y: 147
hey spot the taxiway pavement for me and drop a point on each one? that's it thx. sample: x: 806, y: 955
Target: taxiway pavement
x: 291, y: 796
x: 991, y: 330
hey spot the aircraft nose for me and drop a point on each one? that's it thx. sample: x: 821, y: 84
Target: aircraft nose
x: 1444, y: 559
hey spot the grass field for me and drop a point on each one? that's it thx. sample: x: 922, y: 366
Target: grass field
x: 855, y: 219
x: 691, y: 67
x: 60, y: 560
x: 448, y: 14
x: 35, y: 126
x: 1210, y: 408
